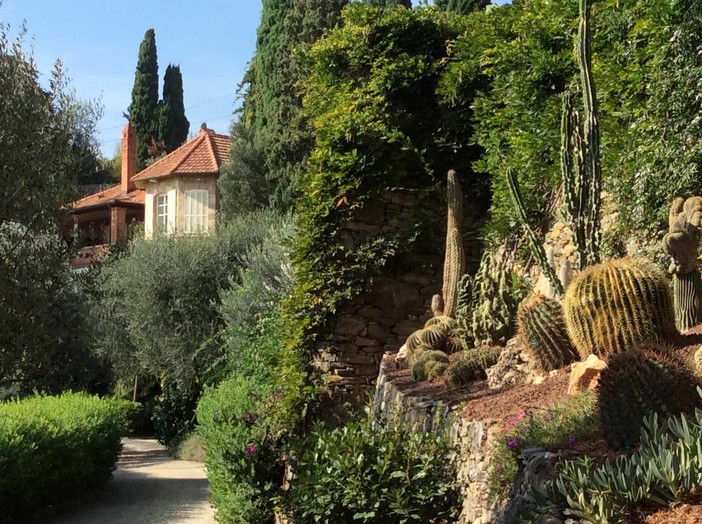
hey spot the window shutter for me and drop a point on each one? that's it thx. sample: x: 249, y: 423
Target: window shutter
x: 149, y: 216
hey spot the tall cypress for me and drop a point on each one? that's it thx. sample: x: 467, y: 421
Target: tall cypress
x: 173, y: 124
x: 462, y: 7
x: 143, y: 109
x: 391, y: 3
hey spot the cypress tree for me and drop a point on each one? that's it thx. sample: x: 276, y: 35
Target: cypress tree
x: 462, y: 7
x: 391, y: 3
x: 173, y: 124
x: 143, y: 109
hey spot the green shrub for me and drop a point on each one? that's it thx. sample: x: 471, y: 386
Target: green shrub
x: 667, y: 468
x: 372, y: 473
x: 559, y: 426
x: 54, y: 450
x: 191, y: 448
x: 174, y: 413
x: 243, y: 440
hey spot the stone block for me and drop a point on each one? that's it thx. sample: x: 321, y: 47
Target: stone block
x: 404, y: 328
x: 378, y: 331
x: 585, y: 375
x: 349, y: 325
x: 365, y: 342
x: 369, y: 312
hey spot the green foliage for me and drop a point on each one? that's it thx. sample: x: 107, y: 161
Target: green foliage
x: 143, y: 109
x: 55, y: 450
x: 542, y: 328
x: 173, y: 125
x: 45, y: 339
x: 429, y: 364
x: 615, y: 306
x: 242, y: 433
x: 173, y: 417
x: 665, y: 469
x: 462, y: 7
x: 158, y: 303
x: 372, y: 472
x: 559, y: 427
x: 635, y: 384
x: 471, y: 366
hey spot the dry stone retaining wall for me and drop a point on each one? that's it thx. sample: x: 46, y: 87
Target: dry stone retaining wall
x: 400, y: 298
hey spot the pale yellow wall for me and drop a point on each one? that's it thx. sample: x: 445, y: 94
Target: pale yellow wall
x: 181, y: 185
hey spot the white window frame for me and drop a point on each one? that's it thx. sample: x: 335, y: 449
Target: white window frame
x: 196, y: 210
x: 161, y: 213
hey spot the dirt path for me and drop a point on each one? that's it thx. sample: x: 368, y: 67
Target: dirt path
x: 149, y: 487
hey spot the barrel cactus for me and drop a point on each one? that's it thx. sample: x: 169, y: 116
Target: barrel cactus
x: 618, y: 305
x: 471, y: 366
x: 637, y: 383
x: 542, y: 328
x: 429, y: 365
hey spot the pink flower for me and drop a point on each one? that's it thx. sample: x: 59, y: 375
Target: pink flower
x: 498, y: 469
x: 513, y: 442
x: 251, y: 450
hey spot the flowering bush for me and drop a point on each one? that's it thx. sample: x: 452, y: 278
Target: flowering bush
x: 559, y: 427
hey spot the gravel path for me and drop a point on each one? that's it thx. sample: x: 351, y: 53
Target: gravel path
x: 149, y: 487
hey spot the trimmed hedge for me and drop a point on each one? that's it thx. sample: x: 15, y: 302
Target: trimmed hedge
x: 53, y: 450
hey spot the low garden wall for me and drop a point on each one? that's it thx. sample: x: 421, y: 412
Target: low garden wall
x: 472, y: 439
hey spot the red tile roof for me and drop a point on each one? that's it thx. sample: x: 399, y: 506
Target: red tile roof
x: 204, y: 154
x: 110, y: 196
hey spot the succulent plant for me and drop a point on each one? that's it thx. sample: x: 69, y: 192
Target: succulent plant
x: 636, y: 383
x: 414, y: 340
x: 433, y: 336
x: 428, y: 365
x: 455, y: 259
x: 618, y: 305
x: 697, y: 361
x: 471, y: 366
x: 682, y: 244
x: 542, y: 328
x: 446, y: 323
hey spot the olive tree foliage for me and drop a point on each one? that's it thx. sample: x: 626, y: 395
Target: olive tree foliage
x: 43, y: 335
x: 158, y: 303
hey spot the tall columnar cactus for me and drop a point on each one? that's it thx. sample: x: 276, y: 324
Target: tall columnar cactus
x: 682, y: 244
x: 537, y: 248
x: 580, y: 154
x: 455, y: 259
x: 637, y: 383
x: 542, y: 328
x: 616, y: 306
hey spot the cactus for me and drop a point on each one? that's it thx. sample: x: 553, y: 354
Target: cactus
x: 640, y: 382
x: 437, y: 305
x: 537, y: 249
x: 455, y: 259
x: 682, y: 244
x: 542, y: 328
x: 414, y: 340
x: 471, y: 366
x: 487, y: 304
x: 615, y: 306
x: 697, y: 361
x: 429, y: 365
x: 446, y: 323
x: 433, y: 336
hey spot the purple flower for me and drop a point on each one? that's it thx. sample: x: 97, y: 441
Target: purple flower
x: 572, y: 440
x: 513, y: 442
x: 249, y: 417
x: 548, y: 417
x: 251, y: 450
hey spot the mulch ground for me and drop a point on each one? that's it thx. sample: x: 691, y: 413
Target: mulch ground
x: 480, y: 402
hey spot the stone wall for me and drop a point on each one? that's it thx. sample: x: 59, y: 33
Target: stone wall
x: 399, y: 299
x: 473, y: 440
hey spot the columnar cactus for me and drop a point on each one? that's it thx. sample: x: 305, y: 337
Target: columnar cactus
x: 682, y: 244
x: 616, y: 306
x: 455, y: 259
x: 640, y: 382
x: 542, y: 328
x: 471, y: 366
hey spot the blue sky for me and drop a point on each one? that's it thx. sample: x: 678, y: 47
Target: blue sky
x: 98, y: 43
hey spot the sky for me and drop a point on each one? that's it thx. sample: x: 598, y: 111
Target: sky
x: 98, y: 43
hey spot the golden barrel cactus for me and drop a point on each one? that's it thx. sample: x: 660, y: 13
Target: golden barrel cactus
x: 614, y: 307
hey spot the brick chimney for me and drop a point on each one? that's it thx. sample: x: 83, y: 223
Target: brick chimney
x: 128, y: 158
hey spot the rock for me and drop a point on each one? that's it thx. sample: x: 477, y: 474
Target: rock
x: 514, y: 367
x: 402, y: 355
x: 585, y: 375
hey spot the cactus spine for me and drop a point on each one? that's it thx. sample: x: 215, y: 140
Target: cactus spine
x: 682, y: 244
x: 542, y: 328
x: 471, y: 366
x: 637, y: 383
x: 455, y: 259
x: 580, y: 154
x: 615, y: 306
x: 537, y: 248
